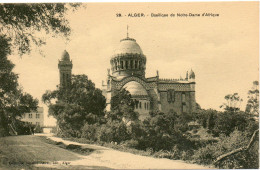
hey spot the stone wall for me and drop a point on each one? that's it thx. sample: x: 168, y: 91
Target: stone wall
x: 177, y: 104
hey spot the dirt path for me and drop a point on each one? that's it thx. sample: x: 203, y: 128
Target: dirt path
x: 31, y: 152
x: 106, y: 157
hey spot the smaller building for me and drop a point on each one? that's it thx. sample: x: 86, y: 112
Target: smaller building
x: 35, y: 118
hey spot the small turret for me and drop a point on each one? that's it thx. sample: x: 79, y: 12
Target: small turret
x: 192, y: 76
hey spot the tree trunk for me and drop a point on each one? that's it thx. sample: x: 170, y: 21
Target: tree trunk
x: 253, y: 138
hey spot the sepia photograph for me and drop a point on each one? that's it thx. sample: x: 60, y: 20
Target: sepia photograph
x: 129, y: 85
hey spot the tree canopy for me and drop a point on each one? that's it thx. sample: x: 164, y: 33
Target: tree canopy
x: 122, y: 107
x: 20, y: 27
x: 252, y: 106
x: 77, y: 105
x: 233, y: 102
x: 21, y: 22
x: 13, y: 101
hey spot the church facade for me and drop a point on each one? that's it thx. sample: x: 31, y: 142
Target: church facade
x: 128, y: 65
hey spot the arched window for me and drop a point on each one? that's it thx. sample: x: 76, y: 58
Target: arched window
x: 126, y: 64
x: 121, y: 63
x: 136, y: 104
x: 64, y: 78
x: 183, y: 97
x: 131, y: 64
x: 184, y: 108
x: 140, y: 105
x: 145, y: 106
x: 135, y: 64
x: 140, y: 64
x: 116, y: 65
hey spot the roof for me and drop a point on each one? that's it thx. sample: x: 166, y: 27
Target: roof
x: 128, y: 45
x: 135, y: 89
x: 65, y: 56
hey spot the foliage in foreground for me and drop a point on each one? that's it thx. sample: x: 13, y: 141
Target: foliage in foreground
x: 237, y: 139
x: 13, y: 101
x: 169, y: 135
x: 22, y: 23
x: 75, y: 106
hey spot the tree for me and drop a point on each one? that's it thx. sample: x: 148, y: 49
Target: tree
x: 122, y: 107
x: 233, y: 102
x: 206, y: 118
x: 13, y: 101
x: 75, y: 106
x: 252, y: 106
x: 19, y: 26
x: 21, y: 22
x: 165, y: 131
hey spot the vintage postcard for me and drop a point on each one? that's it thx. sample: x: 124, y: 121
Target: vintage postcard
x: 133, y: 85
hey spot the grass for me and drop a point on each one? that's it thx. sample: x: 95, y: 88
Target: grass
x: 22, y: 152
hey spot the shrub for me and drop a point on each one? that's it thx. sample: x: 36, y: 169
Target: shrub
x: 130, y: 143
x: 3, y: 132
x: 209, y: 153
x: 23, y: 128
x: 90, y: 132
x: 164, y: 154
x: 113, y: 132
x: 38, y: 129
x: 205, y: 155
x: 186, y: 155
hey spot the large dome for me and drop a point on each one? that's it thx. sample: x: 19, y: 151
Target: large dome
x: 128, y: 45
x: 135, y: 88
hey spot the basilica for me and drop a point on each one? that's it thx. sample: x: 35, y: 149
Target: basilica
x: 128, y: 65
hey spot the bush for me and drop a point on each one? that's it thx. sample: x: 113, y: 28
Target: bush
x: 130, y: 143
x: 209, y: 153
x: 205, y: 155
x: 163, y: 131
x: 174, y: 154
x: 186, y: 155
x: 164, y: 154
x: 113, y: 131
x: 90, y: 132
x: 24, y: 128
x: 38, y: 129
x: 242, y: 160
x: 3, y: 132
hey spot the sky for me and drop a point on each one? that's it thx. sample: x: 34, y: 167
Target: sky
x: 223, y: 51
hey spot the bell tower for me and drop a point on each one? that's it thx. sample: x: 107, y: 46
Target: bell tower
x: 65, y: 67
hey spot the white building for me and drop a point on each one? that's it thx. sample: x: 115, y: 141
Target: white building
x: 35, y: 118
